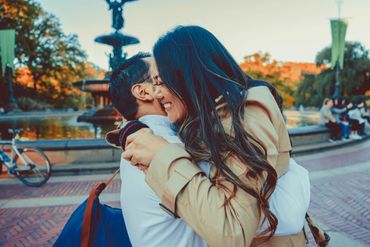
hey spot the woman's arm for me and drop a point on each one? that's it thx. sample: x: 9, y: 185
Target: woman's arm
x: 188, y: 193
x: 185, y: 191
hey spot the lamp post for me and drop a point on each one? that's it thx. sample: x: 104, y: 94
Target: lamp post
x: 7, y: 46
x: 336, y: 93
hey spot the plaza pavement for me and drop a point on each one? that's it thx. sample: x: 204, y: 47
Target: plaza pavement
x: 340, y: 200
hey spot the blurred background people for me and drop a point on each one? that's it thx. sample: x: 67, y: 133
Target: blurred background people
x: 327, y: 119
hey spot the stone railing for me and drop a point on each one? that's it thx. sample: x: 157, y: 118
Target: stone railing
x: 308, y: 135
x: 97, y: 150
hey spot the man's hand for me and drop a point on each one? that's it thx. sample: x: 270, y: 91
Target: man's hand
x: 141, y: 147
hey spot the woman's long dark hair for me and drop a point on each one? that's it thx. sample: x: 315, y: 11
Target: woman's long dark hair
x: 198, y: 69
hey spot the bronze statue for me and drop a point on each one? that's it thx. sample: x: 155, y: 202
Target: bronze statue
x: 117, y: 40
x: 117, y: 17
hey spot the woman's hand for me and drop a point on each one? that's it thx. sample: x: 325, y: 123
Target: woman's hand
x: 141, y: 147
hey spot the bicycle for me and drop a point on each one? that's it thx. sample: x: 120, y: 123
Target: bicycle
x: 30, y: 165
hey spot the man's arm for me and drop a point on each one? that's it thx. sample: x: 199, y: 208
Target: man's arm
x: 290, y: 200
x: 146, y: 222
x: 140, y: 205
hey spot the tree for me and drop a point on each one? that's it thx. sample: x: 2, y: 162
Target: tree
x: 41, y: 44
x: 53, y: 58
x: 355, y: 76
x: 58, y: 90
x: 285, y: 76
x: 306, y: 91
x: 260, y: 66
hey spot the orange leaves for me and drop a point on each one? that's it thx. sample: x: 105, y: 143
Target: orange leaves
x: 285, y: 76
x: 61, y: 82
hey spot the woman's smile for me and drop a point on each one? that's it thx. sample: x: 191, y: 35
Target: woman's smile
x: 167, y: 106
x: 171, y: 103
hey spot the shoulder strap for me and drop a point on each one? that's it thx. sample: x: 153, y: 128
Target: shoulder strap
x: 87, y: 227
x: 321, y: 237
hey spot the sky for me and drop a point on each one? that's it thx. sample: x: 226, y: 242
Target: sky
x: 290, y: 30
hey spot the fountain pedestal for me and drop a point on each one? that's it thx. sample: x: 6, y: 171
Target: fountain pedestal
x: 104, y: 112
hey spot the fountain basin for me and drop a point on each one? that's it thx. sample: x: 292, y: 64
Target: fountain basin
x: 93, y: 86
x: 104, y: 112
x: 117, y: 39
x: 105, y: 116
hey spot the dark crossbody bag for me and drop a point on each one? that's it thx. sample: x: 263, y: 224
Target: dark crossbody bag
x: 94, y: 224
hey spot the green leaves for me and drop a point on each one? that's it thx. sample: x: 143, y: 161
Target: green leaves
x: 355, y: 76
x: 54, y: 59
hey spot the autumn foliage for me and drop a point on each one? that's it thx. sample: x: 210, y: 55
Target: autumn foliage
x: 285, y: 76
x: 60, y: 87
x: 47, y: 59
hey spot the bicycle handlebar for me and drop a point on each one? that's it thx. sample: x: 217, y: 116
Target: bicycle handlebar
x: 15, y: 131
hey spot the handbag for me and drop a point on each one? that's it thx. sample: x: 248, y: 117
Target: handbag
x: 320, y: 236
x: 94, y: 224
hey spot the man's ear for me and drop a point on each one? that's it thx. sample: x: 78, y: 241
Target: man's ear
x: 141, y: 92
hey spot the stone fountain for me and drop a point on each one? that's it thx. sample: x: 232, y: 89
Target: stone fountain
x: 104, y: 112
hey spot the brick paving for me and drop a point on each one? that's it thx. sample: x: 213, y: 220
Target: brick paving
x: 341, y: 203
x: 18, y: 191
x: 337, y: 160
x: 32, y: 226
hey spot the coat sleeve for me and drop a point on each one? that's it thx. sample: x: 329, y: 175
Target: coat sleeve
x: 265, y: 123
x: 187, y: 192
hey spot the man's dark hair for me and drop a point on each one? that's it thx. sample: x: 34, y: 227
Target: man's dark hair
x: 133, y: 71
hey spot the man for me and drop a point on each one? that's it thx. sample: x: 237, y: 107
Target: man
x: 147, y: 224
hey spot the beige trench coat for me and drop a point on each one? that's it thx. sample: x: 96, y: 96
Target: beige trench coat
x: 185, y: 191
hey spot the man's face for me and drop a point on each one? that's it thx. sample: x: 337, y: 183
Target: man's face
x: 148, y: 85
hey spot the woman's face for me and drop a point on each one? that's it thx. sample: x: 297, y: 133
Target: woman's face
x: 175, y: 108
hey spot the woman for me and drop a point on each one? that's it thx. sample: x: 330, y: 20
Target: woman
x: 327, y: 119
x: 240, y: 131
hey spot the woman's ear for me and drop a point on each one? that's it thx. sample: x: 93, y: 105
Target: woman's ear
x: 142, y: 92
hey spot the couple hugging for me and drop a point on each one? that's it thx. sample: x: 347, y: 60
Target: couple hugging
x: 214, y: 167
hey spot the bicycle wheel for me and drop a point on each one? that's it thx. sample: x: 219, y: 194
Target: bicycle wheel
x: 34, y: 169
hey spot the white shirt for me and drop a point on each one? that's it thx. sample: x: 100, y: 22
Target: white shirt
x: 290, y: 200
x: 356, y: 114
x: 148, y: 225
